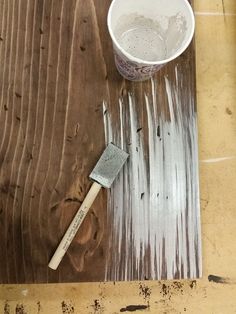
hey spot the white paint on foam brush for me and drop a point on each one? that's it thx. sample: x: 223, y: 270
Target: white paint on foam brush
x: 220, y: 159
x: 148, y: 201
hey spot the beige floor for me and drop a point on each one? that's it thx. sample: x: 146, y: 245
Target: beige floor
x: 216, y: 87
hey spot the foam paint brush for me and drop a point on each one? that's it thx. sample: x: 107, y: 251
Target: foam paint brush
x: 103, y: 175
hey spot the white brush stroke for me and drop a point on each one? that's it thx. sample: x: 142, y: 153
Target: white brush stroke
x: 148, y: 201
x: 215, y: 160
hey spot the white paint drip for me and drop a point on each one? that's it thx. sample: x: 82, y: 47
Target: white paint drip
x: 154, y: 212
x: 215, y: 160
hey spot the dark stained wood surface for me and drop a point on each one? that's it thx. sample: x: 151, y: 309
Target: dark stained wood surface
x: 57, y: 72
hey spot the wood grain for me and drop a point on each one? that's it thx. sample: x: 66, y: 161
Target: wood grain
x: 57, y: 71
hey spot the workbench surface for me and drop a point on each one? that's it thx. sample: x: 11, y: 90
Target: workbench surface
x: 215, y: 292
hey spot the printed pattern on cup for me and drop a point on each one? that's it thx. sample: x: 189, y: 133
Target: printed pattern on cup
x: 134, y: 71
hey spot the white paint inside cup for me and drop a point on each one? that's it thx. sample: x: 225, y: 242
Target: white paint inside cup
x: 150, y: 40
x: 150, y: 32
x: 141, y: 39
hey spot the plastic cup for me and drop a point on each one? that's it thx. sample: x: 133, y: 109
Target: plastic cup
x: 147, y: 34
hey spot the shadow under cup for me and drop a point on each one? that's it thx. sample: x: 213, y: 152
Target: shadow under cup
x: 146, y: 34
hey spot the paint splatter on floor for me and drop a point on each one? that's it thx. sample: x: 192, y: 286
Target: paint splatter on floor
x: 134, y: 308
x: 165, y: 290
x: 98, y: 307
x: 67, y: 307
x: 144, y: 291
x: 6, y: 308
x: 228, y: 111
x: 193, y: 284
x: 20, y: 309
x: 39, y: 307
x: 218, y: 279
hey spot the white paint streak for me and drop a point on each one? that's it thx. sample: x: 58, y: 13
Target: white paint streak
x: 215, y: 160
x: 154, y: 204
x: 214, y: 14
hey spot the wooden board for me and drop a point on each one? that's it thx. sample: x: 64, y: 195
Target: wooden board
x: 61, y: 100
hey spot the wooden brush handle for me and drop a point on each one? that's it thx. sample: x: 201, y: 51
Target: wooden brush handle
x: 74, y: 226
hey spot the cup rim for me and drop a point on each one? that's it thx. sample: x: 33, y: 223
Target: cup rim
x: 138, y: 60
